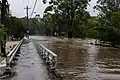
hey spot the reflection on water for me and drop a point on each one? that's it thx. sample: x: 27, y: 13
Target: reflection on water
x: 78, y: 60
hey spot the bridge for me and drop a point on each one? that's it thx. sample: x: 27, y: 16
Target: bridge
x: 51, y: 58
x: 37, y: 62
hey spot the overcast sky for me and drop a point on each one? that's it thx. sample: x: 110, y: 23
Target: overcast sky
x: 17, y: 7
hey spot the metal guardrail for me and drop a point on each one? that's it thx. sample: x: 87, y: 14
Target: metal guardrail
x: 48, y: 56
x: 11, y: 55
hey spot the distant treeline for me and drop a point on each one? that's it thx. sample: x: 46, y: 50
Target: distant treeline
x: 70, y: 18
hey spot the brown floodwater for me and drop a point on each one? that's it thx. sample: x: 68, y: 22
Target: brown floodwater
x: 79, y: 60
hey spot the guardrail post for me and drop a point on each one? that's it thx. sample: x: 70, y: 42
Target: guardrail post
x: 44, y: 55
x: 42, y: 52
x: 7, y: 68
x: 47, y: 60
x: 39, y: 51
x: 53, y: 63
x: 7, y: 61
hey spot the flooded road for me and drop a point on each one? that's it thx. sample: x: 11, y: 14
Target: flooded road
x: 29, y: 65
x: 79, y: 60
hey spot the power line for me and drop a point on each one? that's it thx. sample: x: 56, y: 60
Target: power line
x: 31, y: 3
x: 33, y: 8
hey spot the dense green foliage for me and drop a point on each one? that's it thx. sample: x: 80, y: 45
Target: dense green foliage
x: 71, y: 17
x: 109, y: 18
x: 71, y: 14
x: 36, y: 26
x: 16, y: 27
x: 2, y: 33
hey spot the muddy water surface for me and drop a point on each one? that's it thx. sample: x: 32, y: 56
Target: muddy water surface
x: 78, y: 60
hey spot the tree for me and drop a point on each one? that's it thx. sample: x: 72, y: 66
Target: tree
x: 16, y: 27
x: 92, y: 27
x: 69, y: 12
x: 2, y: 34
x: 109, y: 20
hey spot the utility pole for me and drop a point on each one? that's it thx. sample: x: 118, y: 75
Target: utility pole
x: 27, y: 13
x: 27, y: 8
x: 3, y: 21
x: 3, y: 11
